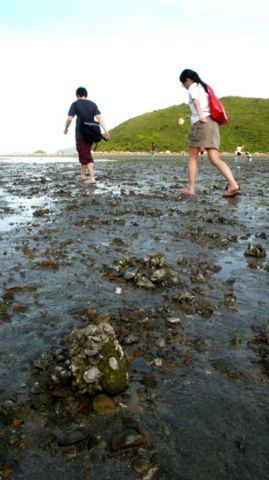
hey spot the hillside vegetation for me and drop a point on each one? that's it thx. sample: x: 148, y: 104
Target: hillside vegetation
x: 248, y: 125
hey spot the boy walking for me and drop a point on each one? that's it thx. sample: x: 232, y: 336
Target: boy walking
x: 86, y: 111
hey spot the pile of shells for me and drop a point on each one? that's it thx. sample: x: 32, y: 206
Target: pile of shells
x: 91, y: 361
x: 260, y: 345
x: 98, y: 362
x: 149, y: 273
x: 261, y: 342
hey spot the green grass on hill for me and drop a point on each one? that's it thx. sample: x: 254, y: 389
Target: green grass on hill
x: 248, y: 125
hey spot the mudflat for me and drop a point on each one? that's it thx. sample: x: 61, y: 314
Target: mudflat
x: 184, y: 283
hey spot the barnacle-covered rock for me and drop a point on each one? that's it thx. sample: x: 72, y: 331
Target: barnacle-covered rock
x: 159, y: 275
x: 98, y: 363
x: 255, y: 250
x: 157, y: 260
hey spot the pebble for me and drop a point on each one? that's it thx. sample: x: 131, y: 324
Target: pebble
x: 127, y: 439
x: 140, y: 465
x: 102, y: 403
x: 36, y: 389
x: 73, y: 437
x: 131, y: 339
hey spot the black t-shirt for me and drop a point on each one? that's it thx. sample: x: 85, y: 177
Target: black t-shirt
x: 84, y: 110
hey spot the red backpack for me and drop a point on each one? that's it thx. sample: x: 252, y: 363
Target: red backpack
x: 217, y: 111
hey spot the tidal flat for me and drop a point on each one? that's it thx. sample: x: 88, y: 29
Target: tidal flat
x: 184, y: 283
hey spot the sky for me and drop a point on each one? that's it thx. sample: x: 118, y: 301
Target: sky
x: 127, y: 53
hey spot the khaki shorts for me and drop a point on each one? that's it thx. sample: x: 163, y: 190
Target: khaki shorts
x: 204, y: 134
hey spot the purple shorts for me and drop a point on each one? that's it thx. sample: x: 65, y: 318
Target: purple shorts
x: 84, y: 151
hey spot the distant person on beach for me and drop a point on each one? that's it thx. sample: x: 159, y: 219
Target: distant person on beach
x: 249, y: 156
x: 238, y: 151
x: 86, y: 110
x: 204, y: 131
x: 201, y: 151
x: 153, y: 149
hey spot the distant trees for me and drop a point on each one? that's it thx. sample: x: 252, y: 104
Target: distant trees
x: 39, y: 153
x: 248, y: 125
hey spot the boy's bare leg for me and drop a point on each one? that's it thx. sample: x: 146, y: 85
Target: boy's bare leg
x: 91, y: 171
x: 83, y: 172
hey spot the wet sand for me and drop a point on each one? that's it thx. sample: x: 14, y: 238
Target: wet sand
x: 198, y: 388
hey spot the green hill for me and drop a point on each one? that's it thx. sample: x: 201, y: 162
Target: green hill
x: 248, y: 125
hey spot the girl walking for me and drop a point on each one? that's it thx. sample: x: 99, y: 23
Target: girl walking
x: 204, y: 131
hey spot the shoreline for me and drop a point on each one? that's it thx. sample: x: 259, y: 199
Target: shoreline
x: 122, y: 154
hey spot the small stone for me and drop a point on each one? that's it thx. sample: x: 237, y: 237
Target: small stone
x: 149, y: 380
x: 236, y: 341
x: 140, y: 465
x: 160, y: 343
x: 129, y: 274
x: 73, y: 437
x: 127, y: 439
x: 103, y: 318
x: 131, y: 339
x: 36, y: 389
x: 255, y: 250
x: 102, y: 403
x: 158, y: 362
x: 151, y: 473
x: 91, y: 313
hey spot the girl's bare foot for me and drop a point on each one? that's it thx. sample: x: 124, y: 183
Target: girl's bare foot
x: 231, y: 192
x: 186, y: 192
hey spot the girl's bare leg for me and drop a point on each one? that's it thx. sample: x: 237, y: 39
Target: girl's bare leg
x: 192, y: 171
x: 223, y: 168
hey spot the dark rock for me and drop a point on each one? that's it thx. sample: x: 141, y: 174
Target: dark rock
x: 255, y: 250
x: 73, y: 437
x: 127, y: 439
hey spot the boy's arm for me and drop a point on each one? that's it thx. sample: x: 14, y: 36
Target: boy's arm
x: 67, y: 123
x: 100, y: 120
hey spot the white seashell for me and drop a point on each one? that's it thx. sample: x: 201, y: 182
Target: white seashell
x: 119, y: 348
x: 113, y: 363
x: 173, y: 320
x: 92, y: 375
x: 158, y: 362
x: 91, y: 352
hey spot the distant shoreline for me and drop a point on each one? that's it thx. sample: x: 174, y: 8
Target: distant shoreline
x: 114, y: 154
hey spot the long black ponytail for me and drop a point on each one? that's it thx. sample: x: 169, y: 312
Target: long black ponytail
x: 193, y: 76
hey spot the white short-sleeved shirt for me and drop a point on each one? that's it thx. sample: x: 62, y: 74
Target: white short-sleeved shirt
x: 197, y: 92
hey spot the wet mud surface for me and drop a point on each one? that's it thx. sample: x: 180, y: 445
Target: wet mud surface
x: 184, y: 283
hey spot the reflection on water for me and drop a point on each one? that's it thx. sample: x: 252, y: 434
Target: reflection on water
x: 46, y: 160
x: 19, y: 210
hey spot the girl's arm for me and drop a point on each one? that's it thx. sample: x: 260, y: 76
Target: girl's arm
x: 198, y: 109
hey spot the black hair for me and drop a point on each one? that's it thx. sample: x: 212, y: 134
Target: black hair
x: 81, y: 92
x: 193, y: 76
